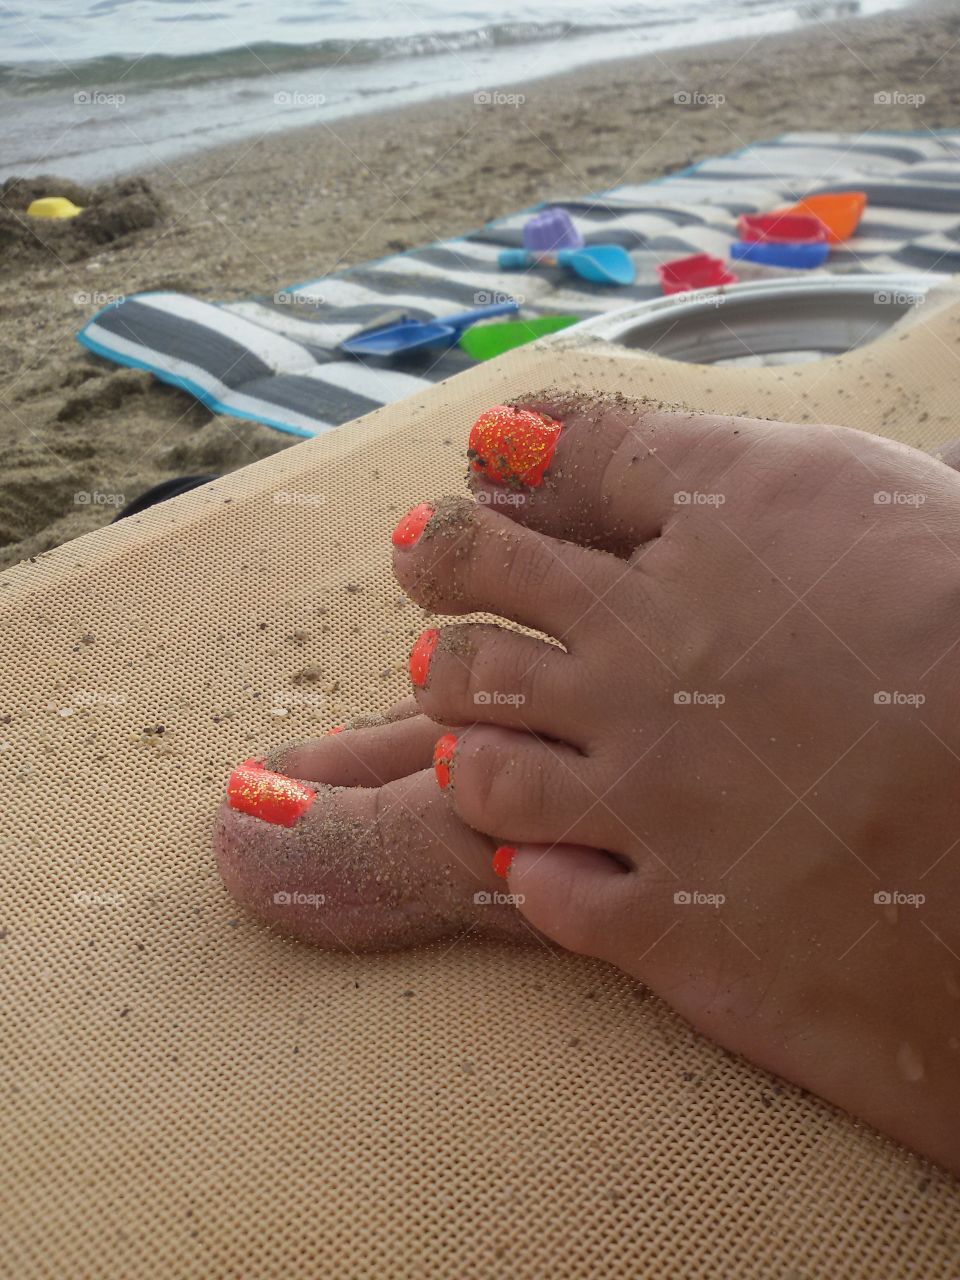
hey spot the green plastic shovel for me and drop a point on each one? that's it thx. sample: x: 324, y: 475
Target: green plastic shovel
x: 484, y: 341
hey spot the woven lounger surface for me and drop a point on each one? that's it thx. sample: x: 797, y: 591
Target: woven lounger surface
x: 188, y: 1094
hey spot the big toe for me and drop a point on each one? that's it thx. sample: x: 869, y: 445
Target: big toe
x: 358, y: 868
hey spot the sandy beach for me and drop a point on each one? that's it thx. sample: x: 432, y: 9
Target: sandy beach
x: 253, y: 217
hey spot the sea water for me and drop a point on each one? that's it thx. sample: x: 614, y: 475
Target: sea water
x: 93, y: 88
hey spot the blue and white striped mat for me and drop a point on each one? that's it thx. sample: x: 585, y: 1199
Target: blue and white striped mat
x: 275, y: 360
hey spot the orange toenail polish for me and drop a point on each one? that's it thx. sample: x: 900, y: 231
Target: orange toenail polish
x: 512, y: 446
x: 443, y: 758
x: 502, y: 859
x: 409, y: 529
x: 270, y: 796
x: 337, y: 728
x: 420, y: 655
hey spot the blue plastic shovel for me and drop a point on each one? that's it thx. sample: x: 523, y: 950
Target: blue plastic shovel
x: 408, y: 335
x: 598, y: 263
x: 800, y: 255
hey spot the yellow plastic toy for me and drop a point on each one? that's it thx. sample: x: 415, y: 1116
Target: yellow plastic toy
x: 53, y: 207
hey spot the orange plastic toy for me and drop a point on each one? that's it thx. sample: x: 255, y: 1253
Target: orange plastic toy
x: 840, y: 212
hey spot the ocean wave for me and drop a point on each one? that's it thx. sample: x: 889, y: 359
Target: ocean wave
x: 159, y: 70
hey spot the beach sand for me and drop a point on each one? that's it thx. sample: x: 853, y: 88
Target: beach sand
x: 255, y: 216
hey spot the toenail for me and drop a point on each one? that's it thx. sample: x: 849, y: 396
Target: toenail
x: 420, y: 655
x: 409, y: 529
x: 502, y: 859
x: 270, y: 796
x: 512, y: 446
x: 443, y: 758
x: 337, y: 728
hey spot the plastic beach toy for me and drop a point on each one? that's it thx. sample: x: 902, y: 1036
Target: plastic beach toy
x: 839, y: 211
x: 485, y: 341
x: 551, y: 230
x: 408, y: 335
x: 698, y: 271
x: 781, y: 228
x: 600, y: 263
x: 774, y: 253
x: 53, y: 207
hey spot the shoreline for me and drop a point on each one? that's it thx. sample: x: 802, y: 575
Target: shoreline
x: 668, y: 68
x: 164, y: 105
x: 250, y: 218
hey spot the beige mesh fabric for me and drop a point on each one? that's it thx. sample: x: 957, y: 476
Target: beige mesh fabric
x: 185, y: 1093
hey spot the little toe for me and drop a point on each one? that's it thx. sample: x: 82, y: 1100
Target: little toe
x: 615, y: 466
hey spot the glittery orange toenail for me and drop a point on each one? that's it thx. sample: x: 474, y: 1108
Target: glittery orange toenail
x: 512, y: 446
x: 420, y: 655
x: 409, y: 529
x: 443, y: 758
x: 502, y: 860
x: 270, y: 796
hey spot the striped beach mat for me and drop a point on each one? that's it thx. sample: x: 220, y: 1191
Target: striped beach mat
x: 275, y: 360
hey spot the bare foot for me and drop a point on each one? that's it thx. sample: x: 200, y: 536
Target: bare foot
x: 738, y: 777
